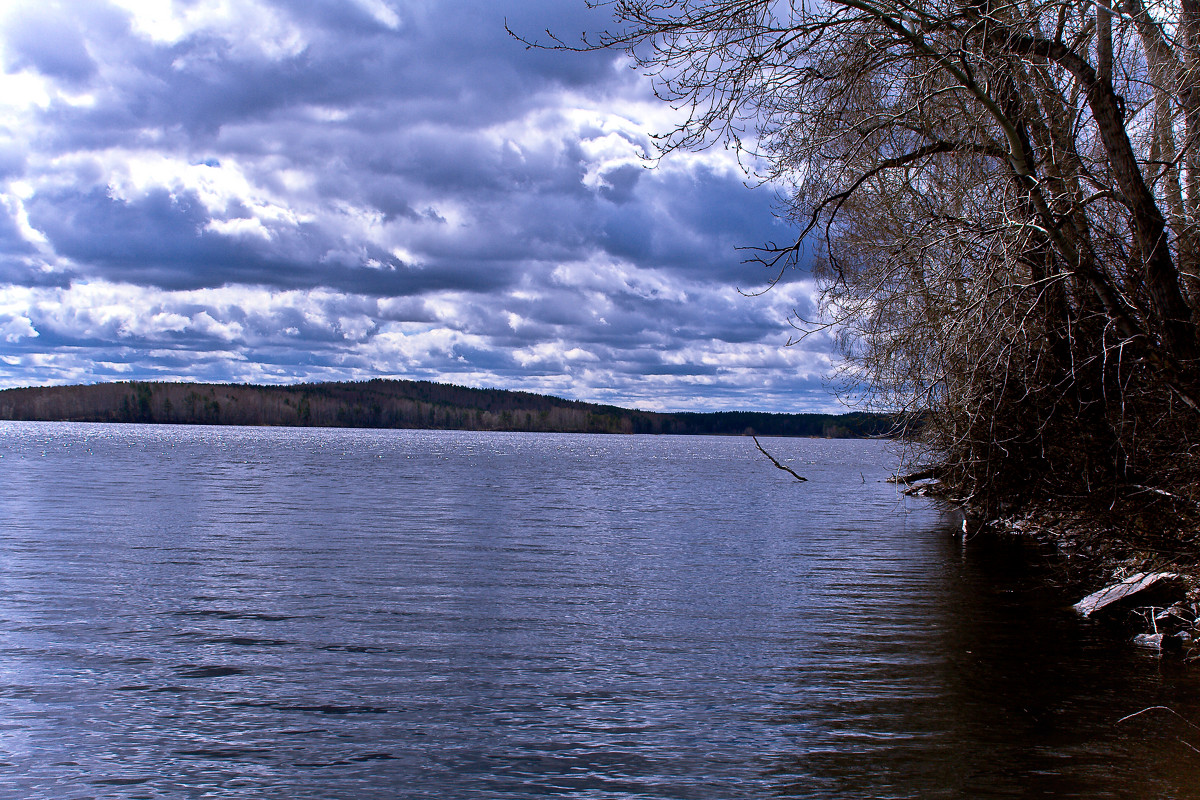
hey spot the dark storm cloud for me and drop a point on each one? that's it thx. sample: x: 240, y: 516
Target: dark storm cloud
x: 269, y: 190
x: 43, y: 41
x: 452, y: 65
x: 161, y: 240
x: 700, y: 222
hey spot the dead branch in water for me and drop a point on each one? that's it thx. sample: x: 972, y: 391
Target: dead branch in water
x: 788, y: 470
x: 919, y: 475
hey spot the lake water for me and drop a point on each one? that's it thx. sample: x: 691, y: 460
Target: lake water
x: 190, y: 612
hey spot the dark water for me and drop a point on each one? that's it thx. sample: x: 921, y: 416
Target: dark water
x: 270, y: 613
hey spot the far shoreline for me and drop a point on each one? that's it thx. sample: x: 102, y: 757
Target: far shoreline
x: 399, y: 404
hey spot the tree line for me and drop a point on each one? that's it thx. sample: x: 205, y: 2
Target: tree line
x: 401, y: 404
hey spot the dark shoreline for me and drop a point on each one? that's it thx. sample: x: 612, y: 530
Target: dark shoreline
x: 1085, y: 555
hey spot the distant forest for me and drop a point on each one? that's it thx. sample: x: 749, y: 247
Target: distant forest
x: 400, y: 404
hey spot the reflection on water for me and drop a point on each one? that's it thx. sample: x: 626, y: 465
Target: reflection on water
x: 271, y: 613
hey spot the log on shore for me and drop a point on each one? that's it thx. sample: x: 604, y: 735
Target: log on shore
x: 1140, y: 588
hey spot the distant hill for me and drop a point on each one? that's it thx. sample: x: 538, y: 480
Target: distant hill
x: 399, y: 404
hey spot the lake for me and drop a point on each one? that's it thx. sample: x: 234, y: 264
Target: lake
x: 208, y: 612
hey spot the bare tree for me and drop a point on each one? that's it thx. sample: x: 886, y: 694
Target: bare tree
x: 1000, y: 199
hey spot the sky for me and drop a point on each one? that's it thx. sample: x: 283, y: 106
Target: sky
x: 273, y: 192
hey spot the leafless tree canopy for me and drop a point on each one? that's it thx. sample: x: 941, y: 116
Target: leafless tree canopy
x: 1003, y: 198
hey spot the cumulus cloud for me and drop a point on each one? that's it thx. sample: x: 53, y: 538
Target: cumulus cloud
x: 253, y: 190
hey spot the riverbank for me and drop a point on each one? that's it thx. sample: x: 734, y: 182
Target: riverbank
x: 1146, y: 589
x: 1133, y: 565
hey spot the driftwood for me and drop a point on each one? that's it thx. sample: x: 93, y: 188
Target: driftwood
x: 919, y: 475
x: 1135, y: 587
x: 788, y: 470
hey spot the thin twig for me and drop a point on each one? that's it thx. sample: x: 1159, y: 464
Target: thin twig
x: 1169, y: 711
x: 776, y: 463
x: 1160, y: 708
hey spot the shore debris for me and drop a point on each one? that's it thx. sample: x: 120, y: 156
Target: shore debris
x: 922, y: 474
x: 1155, y: 604
x: 1165, y: 642
x: 1151, y: 640
x: 1132, y: 588
x: 922, y: 488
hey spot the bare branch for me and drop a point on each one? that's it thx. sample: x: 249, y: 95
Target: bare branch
x: 786, y: 469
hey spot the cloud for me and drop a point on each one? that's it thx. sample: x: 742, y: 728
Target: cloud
x: 41, y: 38
x: 266, y: 191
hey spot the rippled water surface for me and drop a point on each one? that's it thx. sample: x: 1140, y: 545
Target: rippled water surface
x: 271, y: 613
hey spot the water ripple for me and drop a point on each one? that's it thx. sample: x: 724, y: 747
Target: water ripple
x: 302, y: 614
